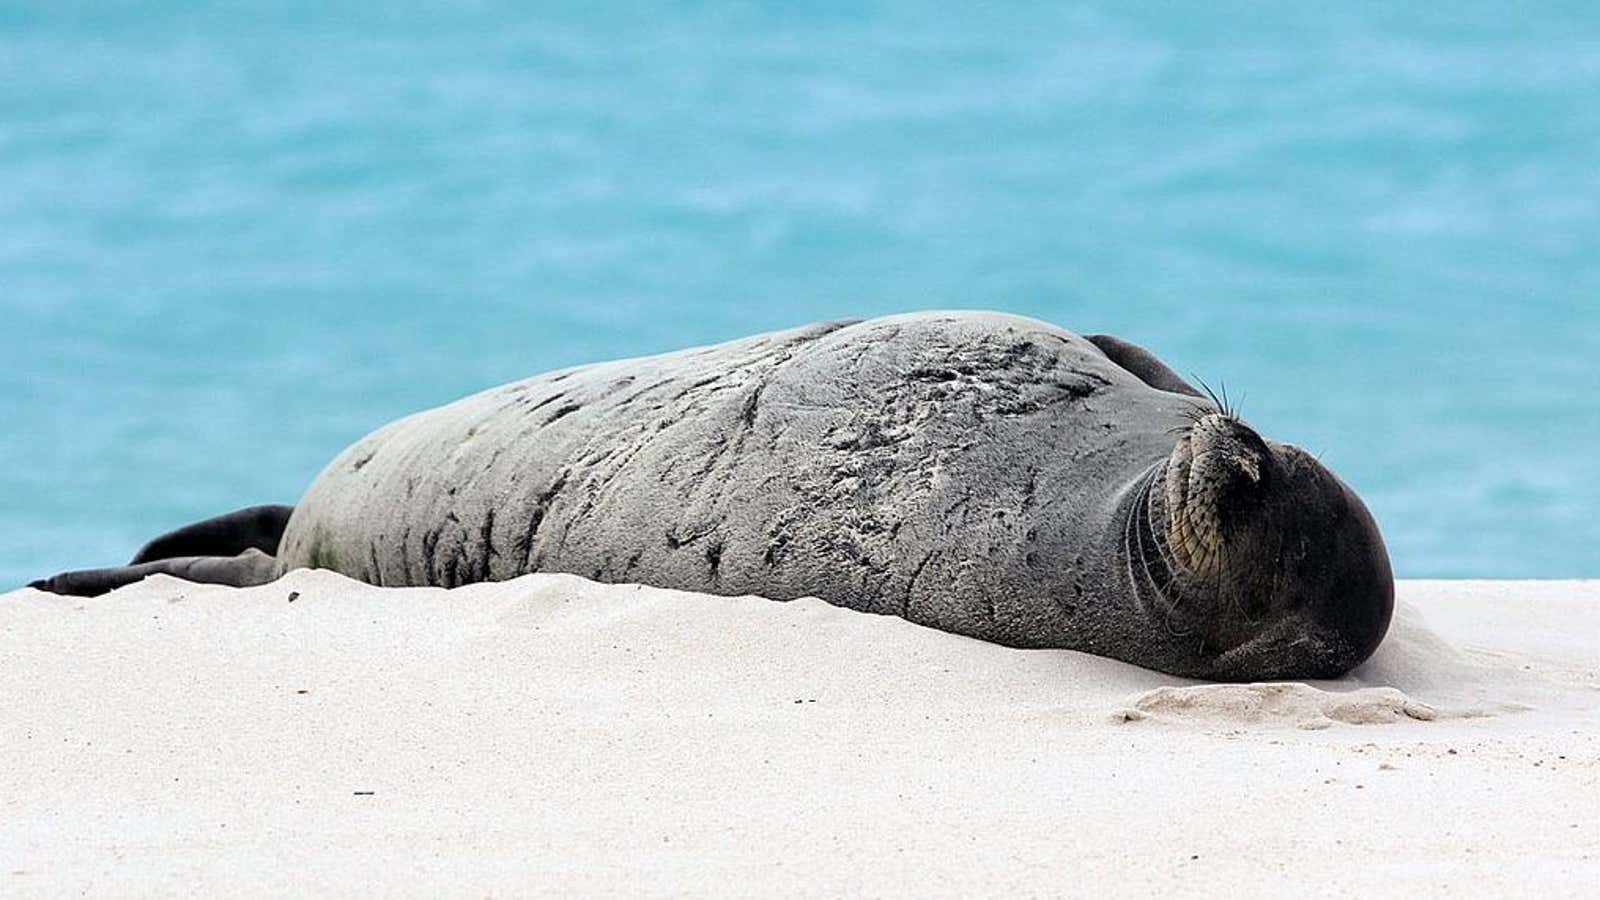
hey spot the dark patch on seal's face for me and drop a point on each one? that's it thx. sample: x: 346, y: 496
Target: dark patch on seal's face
x: 1277, y: 568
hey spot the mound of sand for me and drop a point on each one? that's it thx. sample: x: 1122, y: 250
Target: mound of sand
x: 1265, y: 705
x: 552, y: 734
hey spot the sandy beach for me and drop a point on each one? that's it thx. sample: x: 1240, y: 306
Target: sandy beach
x: 553, y: 735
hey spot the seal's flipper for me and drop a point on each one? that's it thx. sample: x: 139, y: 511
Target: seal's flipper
x: 258, y: 527
x: 1142, y: 363
x: 247, y: 569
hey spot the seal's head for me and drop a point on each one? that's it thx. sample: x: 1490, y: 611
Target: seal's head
x: 1262, y: 557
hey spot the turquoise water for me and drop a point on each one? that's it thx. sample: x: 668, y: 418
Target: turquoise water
x: 232, y: 242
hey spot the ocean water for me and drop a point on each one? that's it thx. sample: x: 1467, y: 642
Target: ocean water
x: 234, y: 240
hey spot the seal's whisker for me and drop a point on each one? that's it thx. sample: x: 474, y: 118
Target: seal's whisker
x: 1227, y: 409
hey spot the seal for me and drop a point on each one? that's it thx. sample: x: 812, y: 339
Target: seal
x: 980, y: 473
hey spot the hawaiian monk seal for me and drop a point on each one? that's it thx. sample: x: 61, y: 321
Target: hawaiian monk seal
x: 984, y: 474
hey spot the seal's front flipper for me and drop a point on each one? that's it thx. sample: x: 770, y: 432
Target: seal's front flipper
x: 258, y: 527
x: 1142, y: 364
x: 247, y: 569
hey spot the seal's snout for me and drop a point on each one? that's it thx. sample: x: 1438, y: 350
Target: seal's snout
x: 1250, y: 468
x: 1213, y: 475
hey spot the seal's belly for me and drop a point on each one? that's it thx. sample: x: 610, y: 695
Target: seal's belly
x: 918, y: 465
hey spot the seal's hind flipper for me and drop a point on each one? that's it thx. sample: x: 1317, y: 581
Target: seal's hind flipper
x: 1142, y: 364
x: 258, y: 527
x: 247, y: 569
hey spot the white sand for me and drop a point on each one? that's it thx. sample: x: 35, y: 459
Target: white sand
x: 553, y: 735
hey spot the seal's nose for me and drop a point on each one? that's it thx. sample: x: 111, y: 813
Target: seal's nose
x: 1231, y: 460
x: 1251, y: 468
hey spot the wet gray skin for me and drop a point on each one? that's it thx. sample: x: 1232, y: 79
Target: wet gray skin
x: 984, y: 474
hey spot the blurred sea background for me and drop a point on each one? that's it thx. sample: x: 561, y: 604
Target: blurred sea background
x: 235, y: 239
